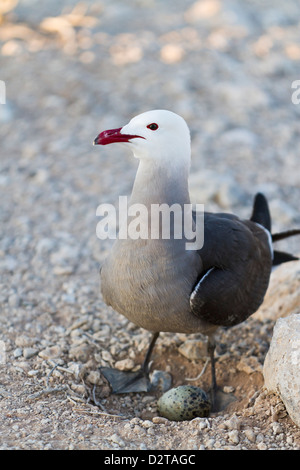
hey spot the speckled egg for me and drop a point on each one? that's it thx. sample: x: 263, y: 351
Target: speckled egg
x: 184, y: 403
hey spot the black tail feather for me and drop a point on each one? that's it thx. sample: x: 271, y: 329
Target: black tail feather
x: 282, y: 235
x: 282, y: 257
x: 260, y: 211
x: 261, y: 215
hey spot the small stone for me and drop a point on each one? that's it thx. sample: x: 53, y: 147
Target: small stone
x: 51, y: 352
x: 259, y: 438
x: 77, y: 369
x: 250, y: 434
x: 147, y: 424
x: 228, y: 389
x: 193, y: 349
x: 277, y: 428
x: 249, y: 365
x: 233, y: 423
x: 203, y: 424
x: 210, y: 443
x: 135, y: 420
x: 234, y: 436
x: 80, y: 352
x: 79, y: 389
x: 29, y: 352
x: 23, y: 341
x: 14, y: 300
x: 117, y: 440
x: 94, y: 377
x: 137, y: 429
x: 63, y: 270
x: 106, y: 356
x: 262, y: 446
x: 125, y: 364
x: 160, y: 420
x: 18, y: 352
x: 143, y: 446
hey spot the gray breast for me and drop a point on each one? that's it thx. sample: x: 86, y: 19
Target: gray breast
x: 150, y: 283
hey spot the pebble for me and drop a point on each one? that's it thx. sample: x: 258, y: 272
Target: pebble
x: 250, y: 434
x: 117, y: 440
x: 52, y: 352
x: 277, y: 428
x: 233, y: 423
x: 29, y: 352
x: 94, y: 377
x: 18, y: 352
x: 249, y: 365
x: 147, y: 424
x: 24, y: 341
x: 160, y: 420
x: 262, y: 446
x: 193, y: 349
x: 234, y: 436
x: 80, y: 352
x: 203, y: 423
x: 125, y: 364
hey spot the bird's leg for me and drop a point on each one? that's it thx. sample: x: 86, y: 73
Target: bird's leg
x: 126, y: 382
x: 145, y: 364
x: 211, y: 346
x: 219, y: 399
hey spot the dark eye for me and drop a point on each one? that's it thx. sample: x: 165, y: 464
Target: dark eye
x: 153, y: 126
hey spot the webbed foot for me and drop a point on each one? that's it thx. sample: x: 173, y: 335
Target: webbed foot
x: 126, y: 382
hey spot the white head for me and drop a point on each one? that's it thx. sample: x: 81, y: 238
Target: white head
x: 160, y: 136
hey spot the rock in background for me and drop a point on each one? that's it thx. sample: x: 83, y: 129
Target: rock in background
x: 282, y: 364
x: 283, y: 295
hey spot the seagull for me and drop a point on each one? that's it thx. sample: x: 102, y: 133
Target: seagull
x: 159, y: 284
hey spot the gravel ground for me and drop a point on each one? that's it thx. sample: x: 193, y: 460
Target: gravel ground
x: 227, y: 68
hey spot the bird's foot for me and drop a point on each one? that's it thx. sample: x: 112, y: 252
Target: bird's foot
x: 220, y: 400
x: 126, y: 382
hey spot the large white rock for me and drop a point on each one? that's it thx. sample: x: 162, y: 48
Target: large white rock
x: 282, y: 364
x: 283, y: 294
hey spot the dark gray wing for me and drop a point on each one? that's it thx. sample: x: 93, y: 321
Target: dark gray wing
x: 237, y: 264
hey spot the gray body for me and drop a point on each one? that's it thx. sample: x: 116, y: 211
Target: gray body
x: 161, y: 286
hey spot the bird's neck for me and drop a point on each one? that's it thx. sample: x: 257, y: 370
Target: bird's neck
x: 160, y: 184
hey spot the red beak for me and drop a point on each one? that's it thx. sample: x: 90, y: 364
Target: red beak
x: 114, y: 135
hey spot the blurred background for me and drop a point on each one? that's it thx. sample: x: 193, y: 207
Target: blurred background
x: 72, y: 69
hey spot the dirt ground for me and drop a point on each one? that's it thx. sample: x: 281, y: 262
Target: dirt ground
x: 71, y: 70
x: 69, y: 406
